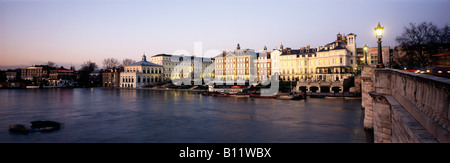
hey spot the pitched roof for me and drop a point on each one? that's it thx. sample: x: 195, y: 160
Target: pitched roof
x: 144, y: 63
x: 166, y: 55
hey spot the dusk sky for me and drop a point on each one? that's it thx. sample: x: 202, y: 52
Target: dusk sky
x: 73, y: 31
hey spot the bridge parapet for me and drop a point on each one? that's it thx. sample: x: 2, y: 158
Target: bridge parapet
x: 426, y: 99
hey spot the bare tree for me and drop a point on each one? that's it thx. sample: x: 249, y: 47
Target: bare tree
x: 111, y: 63
x: 52, y: 64
x: 421, y: 41
x: 88, y: 66
x: 127, y: 61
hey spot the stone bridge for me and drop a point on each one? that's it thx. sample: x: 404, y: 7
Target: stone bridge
x: 405, y: 107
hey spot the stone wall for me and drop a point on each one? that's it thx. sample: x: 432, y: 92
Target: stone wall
x: 367, y: 85
x: 405, y: 107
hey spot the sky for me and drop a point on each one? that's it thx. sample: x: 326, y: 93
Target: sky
x: 70, y: 32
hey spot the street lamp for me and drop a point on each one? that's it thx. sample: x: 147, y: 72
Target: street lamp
x: 365, y: 48
x: 379, y: 34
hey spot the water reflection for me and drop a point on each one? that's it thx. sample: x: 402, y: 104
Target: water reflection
x: 121, y: 115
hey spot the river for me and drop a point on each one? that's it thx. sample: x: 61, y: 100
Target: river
x: 99, y: 115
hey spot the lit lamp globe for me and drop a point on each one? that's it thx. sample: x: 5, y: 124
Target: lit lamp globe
x: 379, y: 31
x: 379, y: 34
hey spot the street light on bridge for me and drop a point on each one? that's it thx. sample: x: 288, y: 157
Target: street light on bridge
x: 379, y: 34
x: 365, y: 48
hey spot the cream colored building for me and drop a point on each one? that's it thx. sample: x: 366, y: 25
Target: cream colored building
x: 178, y: 67
x: 263, y: 66
x: 334, y: 61
x: 141, y: 74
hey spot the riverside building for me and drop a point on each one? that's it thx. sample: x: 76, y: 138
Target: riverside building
x: 333, y: 62
x: 235, y: 65
x: 141, y: 74
x: 179, y: 67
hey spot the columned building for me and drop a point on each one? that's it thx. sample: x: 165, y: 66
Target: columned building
x: 141, y: 74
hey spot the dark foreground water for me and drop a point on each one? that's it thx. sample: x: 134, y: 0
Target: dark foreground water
x: 113, y: 115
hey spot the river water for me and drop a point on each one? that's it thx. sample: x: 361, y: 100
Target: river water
x: 127, y: 115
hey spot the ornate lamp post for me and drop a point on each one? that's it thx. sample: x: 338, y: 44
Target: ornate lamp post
x: 365, y: 48
x: 379, y: 34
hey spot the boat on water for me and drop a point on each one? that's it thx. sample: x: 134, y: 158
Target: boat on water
x: 32, y: 86
x: 237, y: 95
x: 256, y: 95
x: 285, y: 97
x: 223, y: 95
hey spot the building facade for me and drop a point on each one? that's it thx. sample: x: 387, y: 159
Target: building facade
x: 32, y: 73
x: 334, y: 61
x: 11, y: 75
x: 372, y: 55
x: 263, y: 66
x: 141, y: 74
x: 111, y: 78
x: 178, y: 67
x: 235, y: 65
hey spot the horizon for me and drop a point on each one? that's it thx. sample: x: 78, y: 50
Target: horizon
x: 74, y: 31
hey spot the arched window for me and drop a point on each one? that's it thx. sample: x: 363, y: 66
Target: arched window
x: 139, y: 79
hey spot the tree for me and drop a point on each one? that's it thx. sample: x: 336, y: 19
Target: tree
x: 111, y: 63
x: 88, y: 66
x: 52, y: 64
x: 127, y: 61
x: 419, y: 42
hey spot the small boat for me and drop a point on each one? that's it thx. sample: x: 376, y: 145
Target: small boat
x: 223, y: 95
x: 299, y: 96
x: 285, y: 97
x: 238, y: 95
x: 32, y: 86
x: 259, y: 96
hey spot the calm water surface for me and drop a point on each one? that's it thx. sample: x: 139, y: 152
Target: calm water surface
x: 113, y: 115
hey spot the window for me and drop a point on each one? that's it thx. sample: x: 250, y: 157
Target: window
x: 341, y: 60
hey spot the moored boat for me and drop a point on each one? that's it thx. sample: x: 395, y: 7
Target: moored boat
x: 260, y: 96
x: 285, y: 97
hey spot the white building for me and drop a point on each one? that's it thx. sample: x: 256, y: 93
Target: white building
x: 141, y: 74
